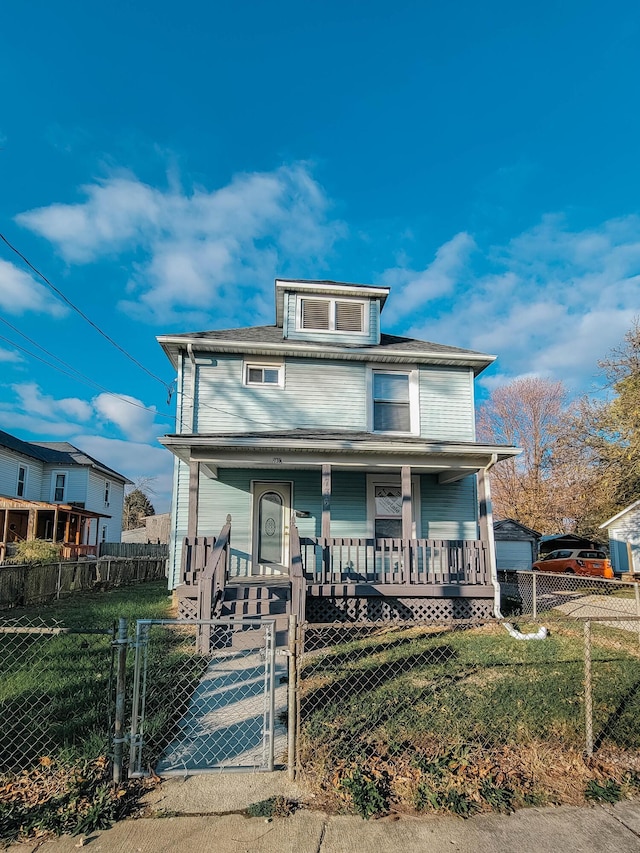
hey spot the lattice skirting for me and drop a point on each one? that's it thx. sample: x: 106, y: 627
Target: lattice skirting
x: 386, y: 609
x: 188, y: 608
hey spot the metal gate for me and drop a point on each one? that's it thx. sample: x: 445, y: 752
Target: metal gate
x: 203, y: 696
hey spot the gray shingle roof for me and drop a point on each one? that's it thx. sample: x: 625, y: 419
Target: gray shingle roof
x: 273, y: 335
x: 56, y: 453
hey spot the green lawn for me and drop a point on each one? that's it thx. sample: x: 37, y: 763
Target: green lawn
x: 422, y: 716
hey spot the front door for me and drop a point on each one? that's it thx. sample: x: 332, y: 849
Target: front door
x: 271, y: 513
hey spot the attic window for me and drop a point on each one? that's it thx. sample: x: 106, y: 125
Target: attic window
x: 332, y: 315
x: 263, y: 374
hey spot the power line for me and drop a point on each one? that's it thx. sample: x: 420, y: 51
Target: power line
x: 75, y: 308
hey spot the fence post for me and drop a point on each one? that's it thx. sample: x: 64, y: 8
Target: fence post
x: 534, y: 593
x: 118, y: 730
x: 588, y: 694
x: 59, y: 581
x: 637, y: 592
x: 292, y: 696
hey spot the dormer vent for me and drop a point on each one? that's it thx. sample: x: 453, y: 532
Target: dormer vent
x: 332, y: 315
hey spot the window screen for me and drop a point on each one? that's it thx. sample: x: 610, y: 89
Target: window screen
x: 391, y: 412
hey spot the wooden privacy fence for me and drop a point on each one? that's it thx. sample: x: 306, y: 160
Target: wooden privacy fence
x: 24, y: 585
x: 396, y: 561
x: 131, y: 550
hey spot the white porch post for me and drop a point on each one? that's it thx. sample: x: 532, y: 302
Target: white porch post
x: 194, y: 488
x: 407, y: 512
x: 326, y: 501
x: 485, y: 518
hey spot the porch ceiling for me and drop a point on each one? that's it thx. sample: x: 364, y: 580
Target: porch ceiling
x: 452, y: 460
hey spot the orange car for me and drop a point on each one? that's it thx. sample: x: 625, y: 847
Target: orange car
x: 579, y: 562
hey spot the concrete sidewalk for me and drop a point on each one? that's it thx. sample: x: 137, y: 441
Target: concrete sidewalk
x: 597, y: 829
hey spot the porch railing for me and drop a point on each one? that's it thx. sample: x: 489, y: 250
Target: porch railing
x: 71, y: 551
x: 396, y: 561
x: 211, y: 583
x: 296, y: 574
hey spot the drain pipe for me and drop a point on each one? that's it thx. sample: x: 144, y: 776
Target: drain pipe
x: 485, y: 504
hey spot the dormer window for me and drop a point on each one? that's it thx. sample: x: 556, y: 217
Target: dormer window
x: 332, y: 315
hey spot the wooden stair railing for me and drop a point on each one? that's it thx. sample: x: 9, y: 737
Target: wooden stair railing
x: 296, y: 574
x: 211, y: 584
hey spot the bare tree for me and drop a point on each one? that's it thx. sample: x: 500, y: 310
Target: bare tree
x: 527, y: 413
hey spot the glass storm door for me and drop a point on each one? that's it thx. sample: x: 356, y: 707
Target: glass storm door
x: 271, y: 511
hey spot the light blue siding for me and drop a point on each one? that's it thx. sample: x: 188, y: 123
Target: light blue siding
x: 322, y: 394
x: 449, y: 511
x: 446, y: 403
x: 95, y: 502
x: 336, y: 338
x: 75, y: 485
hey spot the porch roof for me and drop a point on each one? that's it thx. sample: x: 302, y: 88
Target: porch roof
x: 17, y: 504
x: 308, y: 448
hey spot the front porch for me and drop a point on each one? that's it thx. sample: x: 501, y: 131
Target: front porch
x: 339, y: 579
x: 74, y: 529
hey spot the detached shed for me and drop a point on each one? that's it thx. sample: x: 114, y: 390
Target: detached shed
x: 516, y: 544
x: 567, y: 540
x: 624, y: 539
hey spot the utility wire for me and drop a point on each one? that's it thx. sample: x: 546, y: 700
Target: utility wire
x: 66, y: 300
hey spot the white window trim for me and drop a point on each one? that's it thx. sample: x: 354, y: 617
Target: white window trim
x: 332, y: 314
x: 26, y: 480
x: 374, y: 480
x: 414, y: 398
x: 263, y: 365
x: 54, y: 476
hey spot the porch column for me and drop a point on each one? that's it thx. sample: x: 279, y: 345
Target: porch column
x: 407, y: 512
x: 194, y: 488
x: 5, y: 531
x: 97, y: 534
x: 55, y: 525
x: 31, y: 525
x: 485, y: 518
x: 326, y: 501
x: 66, y: 527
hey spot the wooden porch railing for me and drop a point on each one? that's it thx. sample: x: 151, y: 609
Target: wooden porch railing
x: 211, y: 583
x: 296, y: 574
x: 396, y: 561
x: 71, y: 551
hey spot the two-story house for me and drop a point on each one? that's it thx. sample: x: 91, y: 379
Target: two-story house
x: 56, y: 492
x: 340, y: 452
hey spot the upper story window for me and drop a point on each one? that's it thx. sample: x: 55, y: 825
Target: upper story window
x: 263, y: 374
x: 60, y: 483
x: 392, y: 403
x: 107, y: 492
x: 332, y: 315
x: 22, y: 481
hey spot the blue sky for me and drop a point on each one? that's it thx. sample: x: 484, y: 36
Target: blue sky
x: 162, y: 163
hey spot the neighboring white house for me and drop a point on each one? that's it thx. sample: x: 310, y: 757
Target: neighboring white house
x: 54, y: 491
x: 624, y: 539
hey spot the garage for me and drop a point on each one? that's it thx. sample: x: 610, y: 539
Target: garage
x: 516, y: 545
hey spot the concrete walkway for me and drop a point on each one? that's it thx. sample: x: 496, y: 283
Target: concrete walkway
x: 597, y: 829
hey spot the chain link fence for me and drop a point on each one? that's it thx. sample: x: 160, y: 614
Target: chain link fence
x: 205, y: 697
x: 465, y: 718
x: 56, y: 689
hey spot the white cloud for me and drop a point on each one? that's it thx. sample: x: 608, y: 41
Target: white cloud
x: 33, y: 401
x: 414, y: 289
x: 127, y: 414
x: 7, y: 355
x: 19, y: 292
x: 551, y: 302
x: 203, y: 250
x: 134, y: 460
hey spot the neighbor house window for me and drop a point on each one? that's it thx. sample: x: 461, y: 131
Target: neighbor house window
x: 263, y: 374
x: 107, y: 489
x: 332, y: 315
x: 60, y: 482
x: 22, y: 481
x: 391, y: 402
